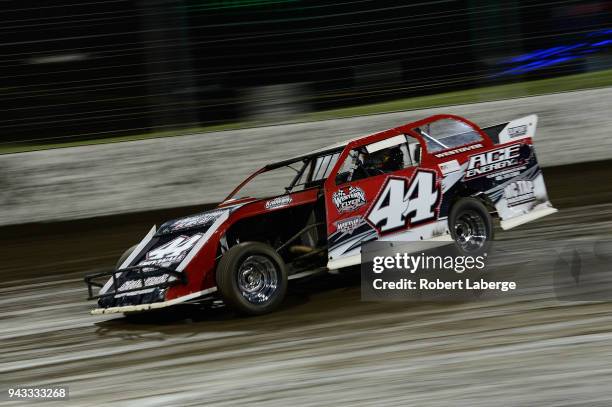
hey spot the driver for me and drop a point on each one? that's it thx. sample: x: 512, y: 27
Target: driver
x: 384, y: 161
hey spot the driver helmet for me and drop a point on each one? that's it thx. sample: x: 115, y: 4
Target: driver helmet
x: 387, y: 160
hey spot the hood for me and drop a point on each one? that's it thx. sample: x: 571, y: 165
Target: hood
x: 198, y: 221
x: 173, y: 246
x: 176, y: 239
x: 201, y: 221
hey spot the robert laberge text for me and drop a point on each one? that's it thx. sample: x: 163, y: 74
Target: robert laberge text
x: 437, y: 284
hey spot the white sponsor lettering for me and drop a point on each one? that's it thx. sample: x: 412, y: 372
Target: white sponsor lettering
x: 458, y: 150
x: 348, y: 225
x: 517, y: 131
x: 519, y: 192
x: 349, y: 200
x: 196, y: 220
x: 278, y: 202
x: 494, y: 160
x: 149, y: 281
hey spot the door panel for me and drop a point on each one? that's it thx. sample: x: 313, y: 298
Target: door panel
x: 378, y: 191
x: 348, y: 207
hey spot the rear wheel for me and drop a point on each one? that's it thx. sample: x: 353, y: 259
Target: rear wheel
x: 471, y: 226
x: 251, y: 278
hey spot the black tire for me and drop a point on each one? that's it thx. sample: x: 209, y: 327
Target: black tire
x: 251, y: 278
x: 471, y: 227
x: 124, y: 256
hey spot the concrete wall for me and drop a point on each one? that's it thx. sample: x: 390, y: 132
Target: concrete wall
x: 96, y: 180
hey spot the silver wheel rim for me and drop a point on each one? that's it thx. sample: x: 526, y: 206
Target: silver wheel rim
x: 470, y: 231
x: 257, y: 279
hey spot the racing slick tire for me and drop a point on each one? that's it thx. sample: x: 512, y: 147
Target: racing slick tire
x: 471, y: 227
x: 252, y: 278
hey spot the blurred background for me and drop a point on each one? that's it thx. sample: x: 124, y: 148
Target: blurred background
x: 88, y: 70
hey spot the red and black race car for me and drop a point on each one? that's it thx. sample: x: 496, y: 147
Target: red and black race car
x: 442, y: 177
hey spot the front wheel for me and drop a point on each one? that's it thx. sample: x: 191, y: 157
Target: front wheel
x: 251, y: 278
x: 471, y: 226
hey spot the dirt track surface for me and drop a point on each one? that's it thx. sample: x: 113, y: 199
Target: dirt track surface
x: 324, y: 347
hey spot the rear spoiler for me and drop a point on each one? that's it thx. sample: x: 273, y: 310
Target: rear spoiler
x: 513, y: 130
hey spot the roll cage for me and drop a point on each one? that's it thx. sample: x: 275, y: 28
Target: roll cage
x: 311, y: 169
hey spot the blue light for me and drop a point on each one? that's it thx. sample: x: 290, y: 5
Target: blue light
x: 602, y: 43
x: 535, y: 65
x: 556, y: 55
x: 545, y: 52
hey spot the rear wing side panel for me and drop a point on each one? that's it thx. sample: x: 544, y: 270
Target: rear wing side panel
x: 519, y: 191
x: 522, y: 128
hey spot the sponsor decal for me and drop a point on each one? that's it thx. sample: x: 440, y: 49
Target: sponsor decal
x: 458, y: 150
x: 507, y: 174
x: 517, y: 131
x: 519, y: 192
x: 348, y: 225
x: 405, y: 202
x: 172, y: 252
x: 349, y: 200
x: 165, y: 255
x: 495, y: 160
x: 196, y: 220
x: 149, y: 281
x: 449, y: 166
x: 278, y: 202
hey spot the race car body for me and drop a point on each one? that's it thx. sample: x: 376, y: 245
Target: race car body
x: 442, y: 177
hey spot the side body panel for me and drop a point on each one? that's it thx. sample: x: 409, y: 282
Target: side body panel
x: 191, y: 245
x: 503, y: 172
x: 402, y: 205
x: 507, y: 175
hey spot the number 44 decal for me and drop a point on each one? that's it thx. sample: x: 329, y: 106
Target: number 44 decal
x: 405, y: 202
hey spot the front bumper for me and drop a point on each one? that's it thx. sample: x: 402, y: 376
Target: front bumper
x: 113, y: 288
x: 154, y: 305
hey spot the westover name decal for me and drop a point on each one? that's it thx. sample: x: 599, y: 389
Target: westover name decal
x: 458, y: 150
